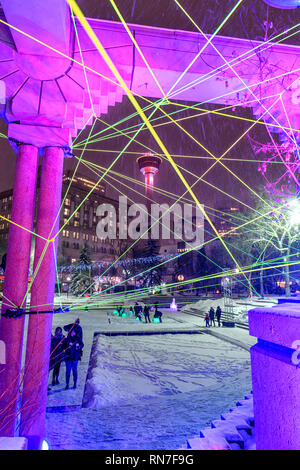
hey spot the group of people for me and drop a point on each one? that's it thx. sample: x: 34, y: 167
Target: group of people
x: 140, y: 311
x: 210, y: 317
x: 66, y: 349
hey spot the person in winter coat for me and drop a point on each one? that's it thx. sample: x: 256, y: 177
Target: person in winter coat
x: 218, y: 314
x: 131, y: 311
x: 157, y: 313
x: 212, y: 316
x: 147, y: 314
x: 137, y: 311
x: 76, y: 327
x: 121, y: 311
x: 73, y: 351
x: 206, y: 320
x: 56, y: 354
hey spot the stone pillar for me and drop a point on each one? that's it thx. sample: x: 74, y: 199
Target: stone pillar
x: 16, y: 283
x: 42, y: 297
x: 276, y: 376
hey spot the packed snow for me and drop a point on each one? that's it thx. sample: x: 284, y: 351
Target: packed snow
x: 142, y: 367
x: 148, y: 391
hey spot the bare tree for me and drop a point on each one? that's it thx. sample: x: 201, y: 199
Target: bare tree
x: 275, y: 227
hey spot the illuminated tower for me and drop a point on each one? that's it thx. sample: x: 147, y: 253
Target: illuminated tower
x: 149, y: 165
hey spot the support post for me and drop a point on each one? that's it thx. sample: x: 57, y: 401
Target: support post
x: 42, y: 298
x: 275, y: 361
x: 16, y: 283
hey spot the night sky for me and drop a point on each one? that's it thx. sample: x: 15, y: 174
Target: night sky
x: 215, y: 132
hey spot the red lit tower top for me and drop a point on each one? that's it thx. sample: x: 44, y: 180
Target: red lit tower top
x: 149, y: 165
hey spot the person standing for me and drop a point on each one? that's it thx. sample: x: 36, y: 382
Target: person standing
x: 158, y: 314
x: 119, y: 310
x: 218, y: 315
x: 212, y: 316
x: 147, y: 314
x: 206, y: 320
x: 56, y: 354
x: 76, y: 327
x: 137, y: 311
x: 73, y: 351
x: 131, y: 311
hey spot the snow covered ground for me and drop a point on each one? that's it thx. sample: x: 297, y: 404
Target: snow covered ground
x: 143, y: 367
x: 149, y: 391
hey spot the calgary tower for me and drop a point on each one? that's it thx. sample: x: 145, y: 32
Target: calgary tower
x: 149, y: 165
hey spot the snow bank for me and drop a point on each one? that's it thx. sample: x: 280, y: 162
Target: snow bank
x: 240, y: 306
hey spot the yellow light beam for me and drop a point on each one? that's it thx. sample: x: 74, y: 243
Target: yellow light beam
x: 21, y: 227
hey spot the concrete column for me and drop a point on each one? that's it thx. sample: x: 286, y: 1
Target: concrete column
x: 16, y: 282
x: 276, y: 376
x: 42, y: 297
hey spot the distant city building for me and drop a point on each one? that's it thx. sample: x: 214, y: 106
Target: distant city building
x: 5, y: 211
x: 79, y: 227
x: 78, y: 222
x: 226, y: 221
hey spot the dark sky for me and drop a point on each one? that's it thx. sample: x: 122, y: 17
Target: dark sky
x: 215, y: 132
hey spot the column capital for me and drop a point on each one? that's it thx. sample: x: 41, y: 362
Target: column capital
x: 278, y: 324
x: 67, y: 150
x: 17, y: 143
